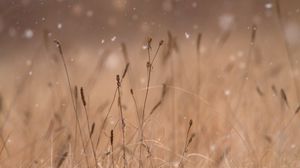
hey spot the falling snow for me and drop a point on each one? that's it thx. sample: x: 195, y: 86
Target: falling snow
x: 227, y: 92
x: 28, y: 33
x: 89, y: 13
x: 113, y: 38
x: 28, y: 62
x: 226, y: 21
x: 187, y: 35
x: 293, y: 146
x: 96, y: 29
x: 292, y: 33
x: 113, y: 61
x: 194, y: 4
x: 59, y: 25
x: 144, y: 47
x: 268, y: 5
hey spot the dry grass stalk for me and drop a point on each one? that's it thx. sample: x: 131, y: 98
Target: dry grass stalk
x: 92, y: 129
x: 58, y: 44
x: 125, y: 70
x: 106, y: 117
x: 76, y: 123
x: 253, y: 35
x: 4, y: 147
x: 221, y: 157
x: 288, y: 50
x: 62, y: 159
x: 62, y: 153
x: 223, y: 39
x: 82, y: 97
x: 46, y: 39
x: 163, y: 94
x: 76, y: 94
x: 1, y: 103
x: 57, y: 126
x: 50, y: 129
x: 112, y: 147
x: 111, y: 105
x: 198, y: 43
x: 285, y: 127
x: 125, y: 53
x: 297, y: 110
x: 136, y: 107
x: 122, y: 119
x: 88, y: 125
x: 259, y: 91
x: 188, y: 140
x: 241, y: 93
x: 284, y: 97
x: 274, y: 89
x: 278, y: 10
x: 149, y: 66
x: 171, y: 47
x: 98, y: 69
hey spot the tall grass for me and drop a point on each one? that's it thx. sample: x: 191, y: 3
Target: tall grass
x: 167, y: 108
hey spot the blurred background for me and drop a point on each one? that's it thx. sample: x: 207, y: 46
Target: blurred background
x: 91, y: 26
x: 89, y: 22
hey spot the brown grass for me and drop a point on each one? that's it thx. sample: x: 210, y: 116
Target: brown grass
x: 172, y: 106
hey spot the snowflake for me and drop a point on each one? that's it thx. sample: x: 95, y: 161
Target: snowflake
x: 113, y: 38
x: 268, y: 5
x: 194, y: 4
x: 227, y: 92
x: 28, y: 33
x: 292, y: 32
x: 59, y: 25
x: 187, y: 35
x: 89, y: 13
x: 226, y: 21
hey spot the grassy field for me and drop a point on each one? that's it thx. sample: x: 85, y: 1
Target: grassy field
x: 166, y: 101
